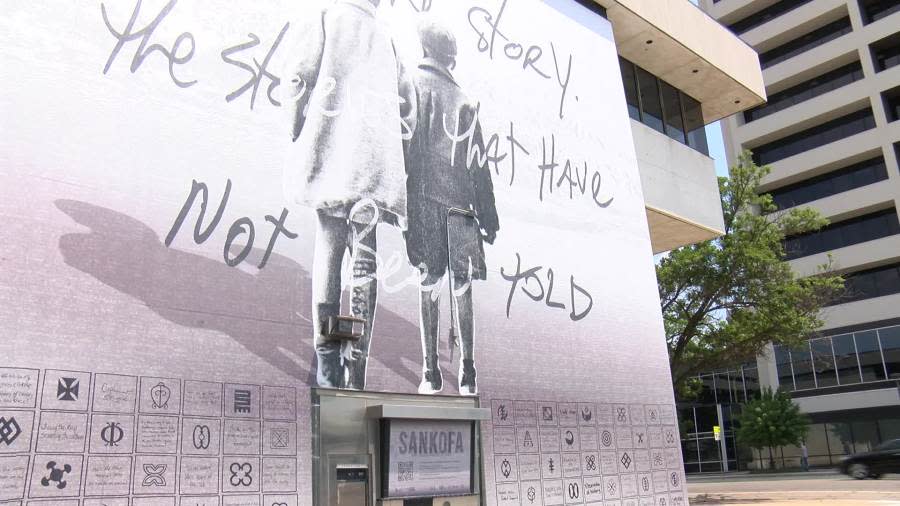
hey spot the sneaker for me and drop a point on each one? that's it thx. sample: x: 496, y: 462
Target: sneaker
x: 467, y: 374
x: 432, y: 383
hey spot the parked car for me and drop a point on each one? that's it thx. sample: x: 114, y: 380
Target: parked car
x: 883, y: 459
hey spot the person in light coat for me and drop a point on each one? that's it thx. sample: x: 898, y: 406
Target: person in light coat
x: 350, y: 108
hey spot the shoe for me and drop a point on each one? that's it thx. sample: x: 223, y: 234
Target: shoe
x: 432, y: 383
x: 467, y: 374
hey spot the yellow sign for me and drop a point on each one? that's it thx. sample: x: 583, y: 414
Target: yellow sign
x: 717, y: 432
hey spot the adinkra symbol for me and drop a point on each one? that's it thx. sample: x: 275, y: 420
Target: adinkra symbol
x: 160, y: 395
x: 240, y: 474
x: 502, y: 413
x: 586, y: 414
x: 527, y: 442
x: 112, y: 434
x: 547, y: 413
x: 532, y: 494
x: 242, y: 401
x: 280, y: 438
x: 574, y: 490
x: 201, y: 437
x: 56, y: 475
x: 67, y: 389
x: 9, y: 430
x: 505, y: 468
x: 154, y: 475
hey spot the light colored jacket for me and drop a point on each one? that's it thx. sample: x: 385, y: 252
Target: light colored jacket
x: 345, y: 86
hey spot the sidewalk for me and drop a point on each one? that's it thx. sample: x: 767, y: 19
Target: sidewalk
x: 747, y: 475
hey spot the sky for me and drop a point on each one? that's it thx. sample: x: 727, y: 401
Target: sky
x: 717, y: 147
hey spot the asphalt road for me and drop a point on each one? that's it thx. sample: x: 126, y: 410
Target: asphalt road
x: 819, y: 489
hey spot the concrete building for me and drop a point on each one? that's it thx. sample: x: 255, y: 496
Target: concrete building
x: 830, y: 133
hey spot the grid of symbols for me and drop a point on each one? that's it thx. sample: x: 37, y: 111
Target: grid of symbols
x: 557, y: 453
x: 72, y: 437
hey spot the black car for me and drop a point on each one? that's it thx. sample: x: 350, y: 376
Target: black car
x: 883, y: 459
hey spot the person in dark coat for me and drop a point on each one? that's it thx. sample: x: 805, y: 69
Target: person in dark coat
x: 450, y: 203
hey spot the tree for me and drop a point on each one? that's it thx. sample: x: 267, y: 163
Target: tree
x: 769, y: 421
x: 723, y: 300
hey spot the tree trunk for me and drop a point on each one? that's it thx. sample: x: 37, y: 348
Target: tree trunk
x: 771, y: 460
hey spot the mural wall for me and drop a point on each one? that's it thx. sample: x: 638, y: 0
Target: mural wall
x: 189, y: 190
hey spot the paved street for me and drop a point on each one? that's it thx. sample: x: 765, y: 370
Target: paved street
x: 819, y: 489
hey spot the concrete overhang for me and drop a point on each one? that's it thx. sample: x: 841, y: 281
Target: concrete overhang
x: 679, y: 43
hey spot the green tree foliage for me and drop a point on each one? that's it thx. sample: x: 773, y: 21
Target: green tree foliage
x: 723, y: 300
x: 770, y: 421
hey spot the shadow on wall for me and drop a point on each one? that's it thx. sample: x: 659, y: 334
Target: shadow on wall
x: 268, y: 313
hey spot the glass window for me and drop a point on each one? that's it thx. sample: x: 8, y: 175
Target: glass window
x: 672, y: 112
x: 785, y: 370
x: 707, y: 393
x: 890, y: 347
x: 651, y: 108
x: 871, y: 283
x: 707, y: 418
x: 814, y: 137
x: 842, y: 234
x: 853, y: 176
x: 765, y: 15
x: 629, y: 80
x: 823, y: 362
x: 886, y: 52
x: 751, y: 382
x: 869, y: 355
x: 817, y: 440
x: 889, y: 429
x: 840, y: 438
x: 891, y: 100
x: 805, y: 42
x: 873, y: 10
x: 723, y: 388
x: 807, y: 90
x: 693, y: 123
x: 865, y: 435
x: 845, y: 357
x: 803, y: 369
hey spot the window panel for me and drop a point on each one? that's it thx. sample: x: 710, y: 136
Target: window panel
x: 873, y: 10
x: 877, y: 282
x: 814, y: 137
x: 805, y: 42
x: 890, y: 346
x: 807, y: 90
x: 693, y: 123
x: 672, y: 112
x: 629, y: 80
x: 847, y: 362
x: 723, y: 388
x: 783, y: 366
x: 823, y: 362
x: 844, y: 233
x: 651, y: 108
x: 869, y: 355
x: 886, y: 52
x: 751, y: 382
x: 803, y: 369
x: 763, y: 16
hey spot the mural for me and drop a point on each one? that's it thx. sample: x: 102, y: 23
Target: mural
x: 191, y: 191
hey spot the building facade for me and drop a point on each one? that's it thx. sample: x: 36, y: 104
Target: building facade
x: 350, y: 252
x: 830, y: 133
